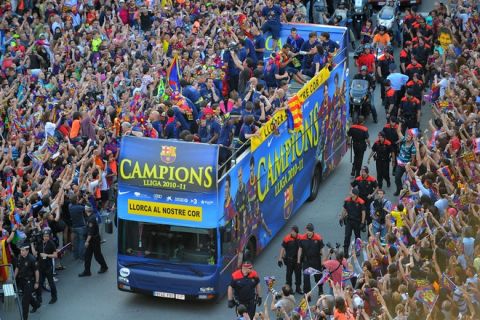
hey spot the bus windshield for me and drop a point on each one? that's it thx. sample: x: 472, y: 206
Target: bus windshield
x: 168, y: 243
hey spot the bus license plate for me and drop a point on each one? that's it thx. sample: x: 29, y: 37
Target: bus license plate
x: 168, y: 295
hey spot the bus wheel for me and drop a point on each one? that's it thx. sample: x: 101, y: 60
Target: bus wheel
x: 250, y: 250
x: 315, y: 184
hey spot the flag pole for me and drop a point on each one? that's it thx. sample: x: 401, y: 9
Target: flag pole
x: 308, y: 304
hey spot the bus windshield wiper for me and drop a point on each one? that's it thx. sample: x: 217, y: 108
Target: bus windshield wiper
x: 132, y: 264
x: 192, y: 269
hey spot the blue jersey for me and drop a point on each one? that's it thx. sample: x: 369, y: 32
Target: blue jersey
x: 226, y: 135
x: 272, y: 14
x: 330, y: 45
x: 259, y: 42
x: 295, y: 42
x: 250, y: 50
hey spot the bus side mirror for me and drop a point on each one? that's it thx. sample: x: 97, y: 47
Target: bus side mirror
x: 108, y: 226
x: 226, y: 234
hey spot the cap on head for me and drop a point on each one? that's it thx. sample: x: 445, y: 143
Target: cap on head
x: 310, y: 227
x: 410, y: 92
x: 363, y: 68
x: 47, y: 231
x: 24, y: 245
x: 355, y: 191
x: 382, y: 28
x: 247, y: 264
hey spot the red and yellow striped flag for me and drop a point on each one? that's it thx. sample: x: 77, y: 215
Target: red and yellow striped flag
x: 295, y: 107
x: 4, y: 259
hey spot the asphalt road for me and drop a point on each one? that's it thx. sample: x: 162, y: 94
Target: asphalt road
x: 97, y: 297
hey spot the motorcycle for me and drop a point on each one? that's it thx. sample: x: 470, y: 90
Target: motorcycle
x: 341, y: 17
x: 388, y: 17
x: 360, y: 14
x: 359, y: 99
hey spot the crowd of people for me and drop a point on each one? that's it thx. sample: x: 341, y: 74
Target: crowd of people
x: 415, y: 253
x: 78, y: 75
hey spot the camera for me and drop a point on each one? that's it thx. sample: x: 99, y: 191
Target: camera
x: 233, y: 46
x: 332, y: 250
x: 35, y: 237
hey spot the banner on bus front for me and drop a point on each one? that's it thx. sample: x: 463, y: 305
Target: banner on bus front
x: 167, y: 181
x: 169, y: 165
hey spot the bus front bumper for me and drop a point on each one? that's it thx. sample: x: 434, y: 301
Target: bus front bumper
x: 167, y: 284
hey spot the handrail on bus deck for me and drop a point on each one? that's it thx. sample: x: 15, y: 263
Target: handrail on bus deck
x: 15, y: 288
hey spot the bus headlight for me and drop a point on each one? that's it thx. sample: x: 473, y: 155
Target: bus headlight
x: 124, y: 272
x: 123, y: 279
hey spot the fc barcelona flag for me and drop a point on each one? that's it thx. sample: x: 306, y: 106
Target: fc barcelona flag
x: 173, y: 75
x: 295, y: 107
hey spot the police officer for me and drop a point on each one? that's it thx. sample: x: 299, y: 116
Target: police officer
x: 390, y: 100
x: 390, y: 130
x: 27, y: 276
x: 310, y: 256
x: 383, y: 68
x: 367, y: 187
x: 288, y: 255
x: 416, y: 84
x: 47, y: 251
x: 244, y: 289
x: 382, y: 152
x: 353, y: 216
x: 409, y: 110
x: 92, y: 245
x: 358, y: 134
x: 363, y: 75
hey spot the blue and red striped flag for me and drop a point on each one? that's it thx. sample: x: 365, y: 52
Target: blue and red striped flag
x: 447, y: 173
x: 174, y: 75
x: 414, y: 132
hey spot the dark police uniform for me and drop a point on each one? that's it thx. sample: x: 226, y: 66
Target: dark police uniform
x: 311, y: 257
x: 382, y: 157
x: 27, y: 266
x: 409, y: 107
x: 390, y: 102
x: 365, y: 186
x: 353, y: 221
x: 94, y: 245
x: 384, y: 63
x: 290, y: 245
x: 46, y: 269
x: 244, y: 289
x: 391, y: 135
x: 416, y: 87
x: 359, y: 135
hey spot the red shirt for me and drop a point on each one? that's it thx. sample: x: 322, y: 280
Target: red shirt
x: 366, y: 60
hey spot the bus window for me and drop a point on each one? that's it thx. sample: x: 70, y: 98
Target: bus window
x: 228, y: 242
x: 168, y: 243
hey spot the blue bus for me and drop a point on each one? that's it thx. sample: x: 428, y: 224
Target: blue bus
x: 185, y: 223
